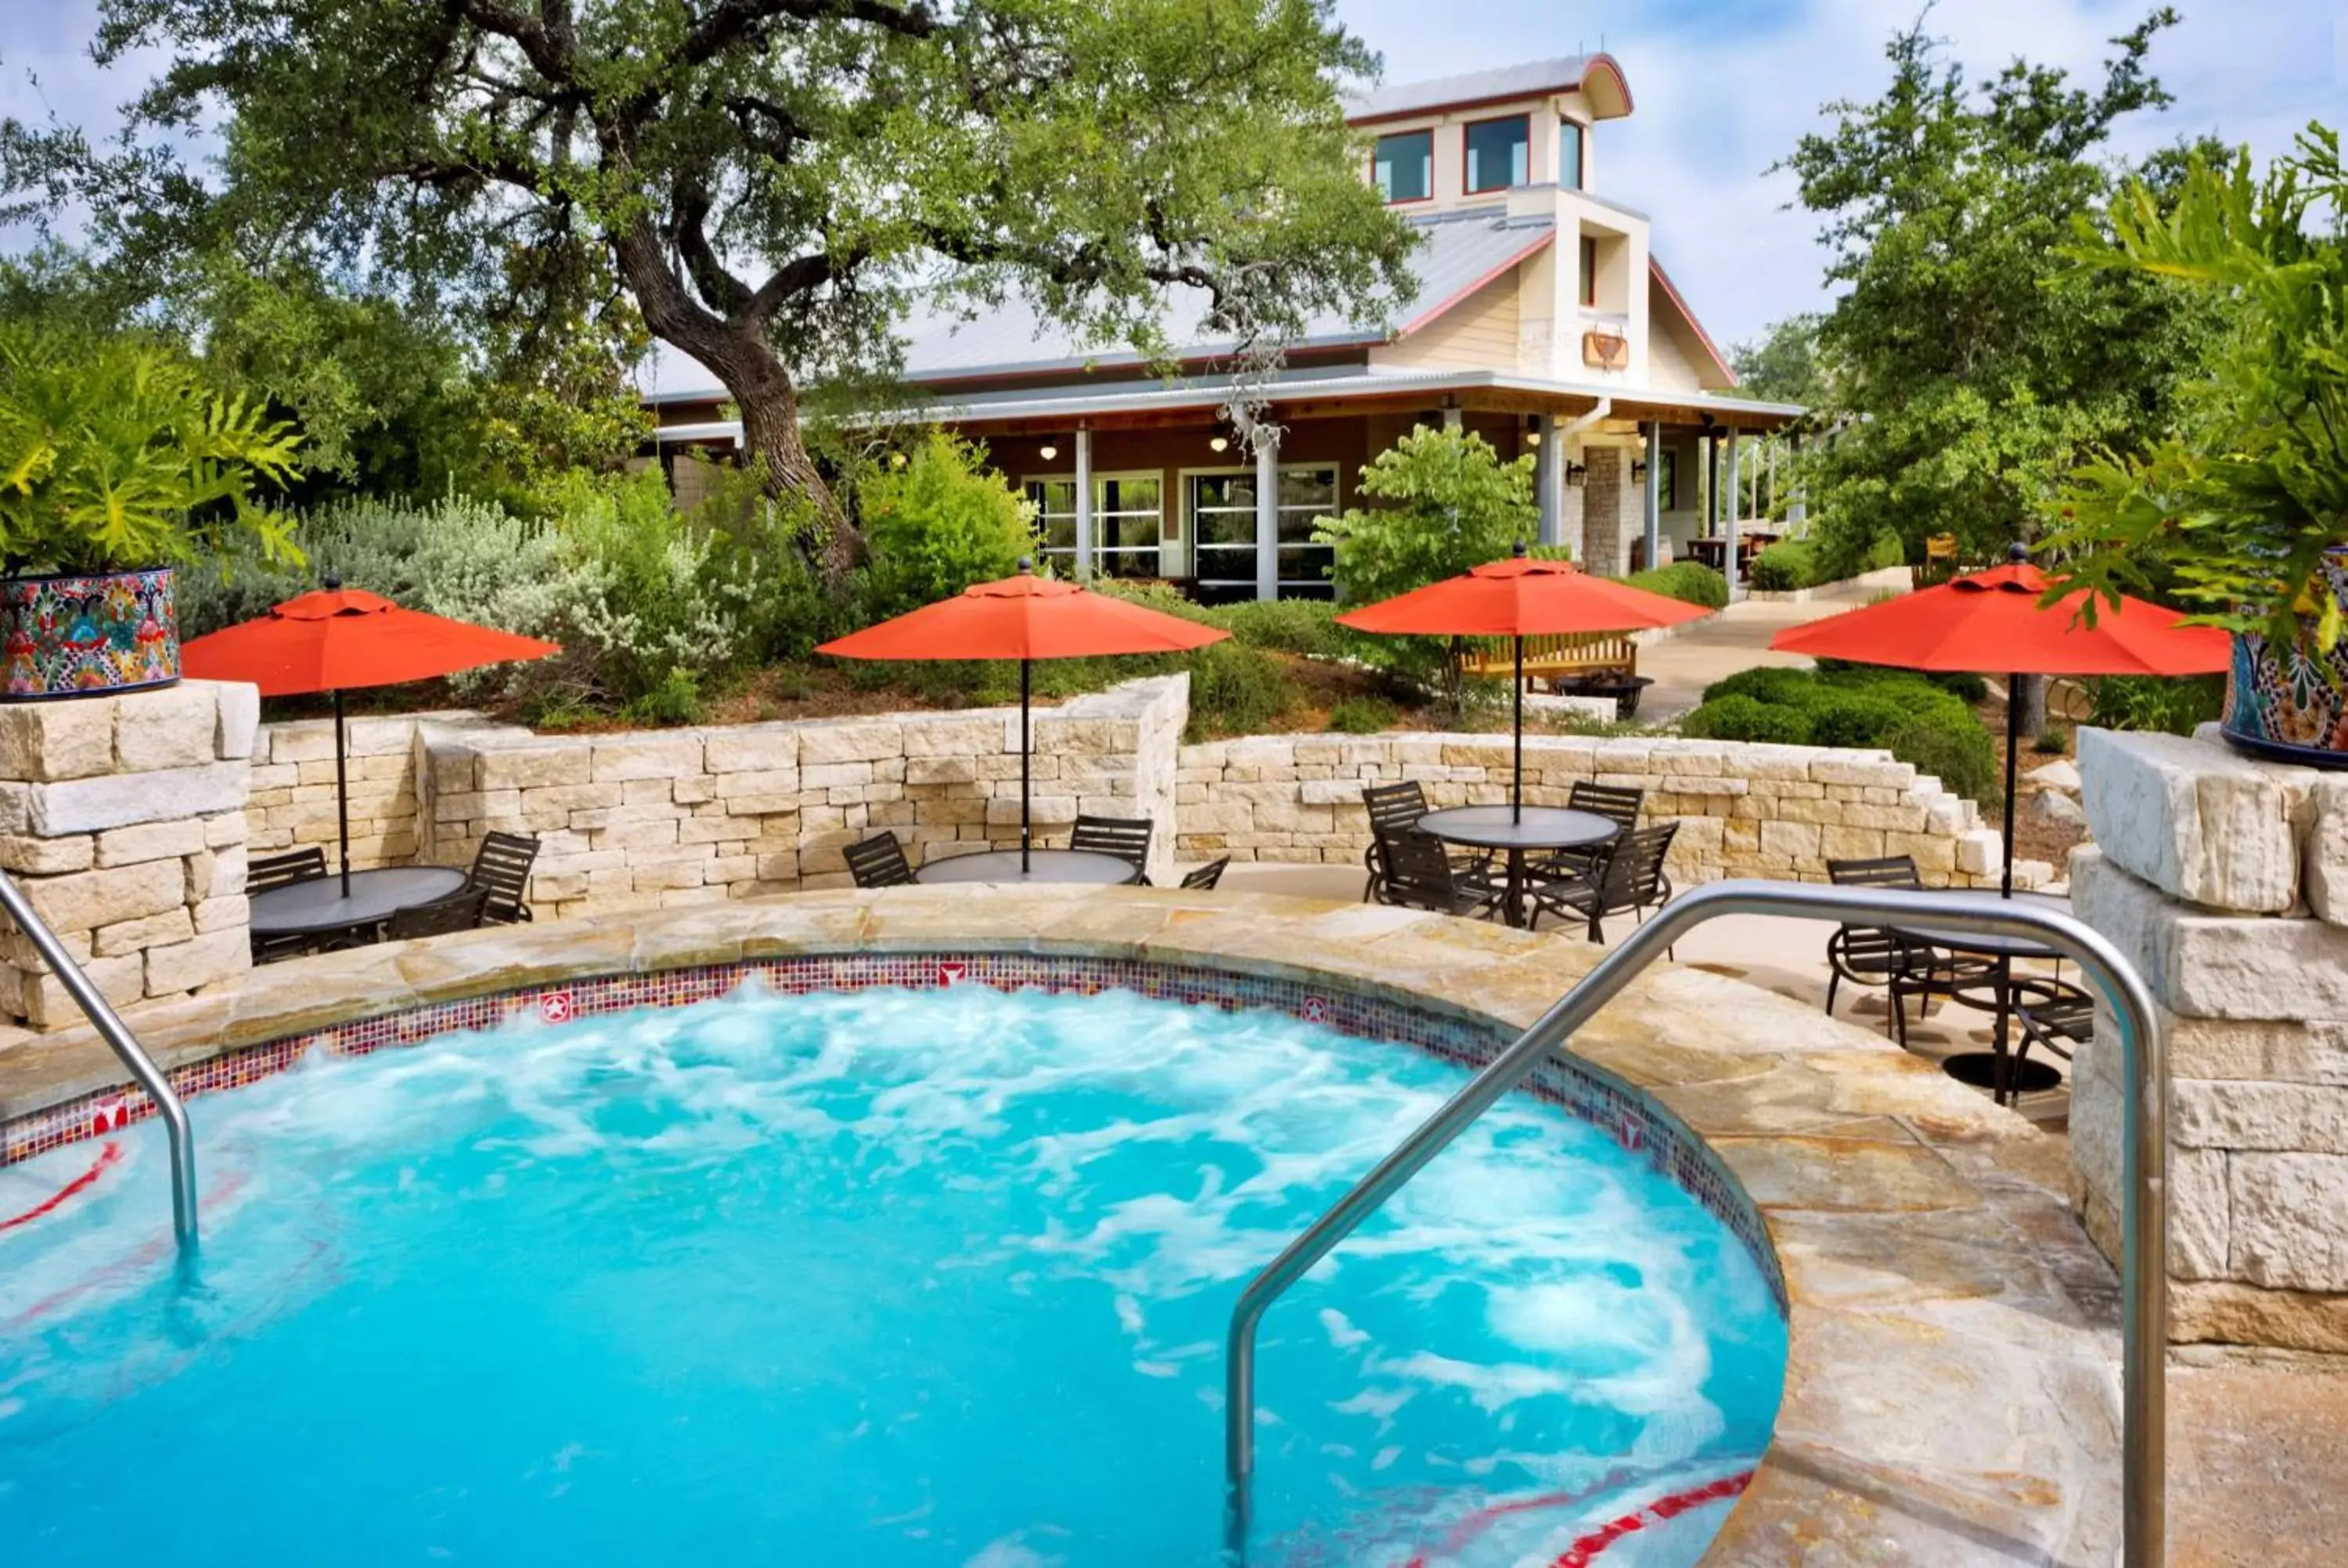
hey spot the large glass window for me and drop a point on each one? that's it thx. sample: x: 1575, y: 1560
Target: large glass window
x: 1496, y: 153
x: 1404, y: 166
x: 1222, y: 520
x: 1569, y: 155
x: 1128, y: 519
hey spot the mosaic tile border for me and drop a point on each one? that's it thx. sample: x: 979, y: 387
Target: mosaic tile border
x: 1631, y: 1119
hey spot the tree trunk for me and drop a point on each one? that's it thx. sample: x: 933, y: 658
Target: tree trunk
x: 737, y: 353
x: 2030, y: 691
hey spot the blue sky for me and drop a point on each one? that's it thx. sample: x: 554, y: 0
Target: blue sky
x: 1723, y: 88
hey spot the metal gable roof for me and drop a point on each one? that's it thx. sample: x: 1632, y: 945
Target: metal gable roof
x: 1455, y: 256
x: 1528, y: 79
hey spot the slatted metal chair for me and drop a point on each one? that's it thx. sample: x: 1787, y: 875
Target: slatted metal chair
x: 263, y: 872
x: 460, y: 911
x: 1875, y: 956
x: 1126, y: 837
x: 1618, y: 804
x: 1203, y: 879
x: 1417, y: 873
x: 2050, y: 1015
x: 1628, y: 879
x: 501, y: 870
x: 1395, y: 809
x: 879, y: 862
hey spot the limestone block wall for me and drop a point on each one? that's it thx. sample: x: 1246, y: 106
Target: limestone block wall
x: 656, y: 819
x: 123, y: 819
x: 293, y: 800
x: 1745, y: 810
x: 2225, y: 881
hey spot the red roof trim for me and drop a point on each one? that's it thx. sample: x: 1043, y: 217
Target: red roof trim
x: 1679, y: 303
x: 1498, y: 269
x: 1614, y: 69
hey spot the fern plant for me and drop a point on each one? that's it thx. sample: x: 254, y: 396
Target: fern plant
x: 115, y: 454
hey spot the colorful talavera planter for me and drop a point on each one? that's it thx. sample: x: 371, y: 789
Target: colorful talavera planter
x: 2291, y: 703
x: 80, y: 634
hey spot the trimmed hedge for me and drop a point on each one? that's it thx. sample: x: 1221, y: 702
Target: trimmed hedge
x: 1917, y: 719
x: 1689, y: 582
x: 1787, y: 565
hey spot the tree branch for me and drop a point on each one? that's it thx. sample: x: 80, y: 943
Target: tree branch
x: 688, y: 231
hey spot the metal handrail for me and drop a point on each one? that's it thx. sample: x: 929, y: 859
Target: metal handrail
x: 2143, y: 1202
x: 111, y: 1028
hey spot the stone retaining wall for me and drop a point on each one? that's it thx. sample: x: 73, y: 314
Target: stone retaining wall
x: 2225, y: 881
x: 123, y: 820
x: 651, y: 820
x: 1745, y: 810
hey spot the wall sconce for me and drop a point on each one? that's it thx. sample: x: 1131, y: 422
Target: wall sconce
x: 1575, y: 474
x: 1532, y: 437
x: 1218, y: 444
x: 1047, y: 451
x: 1638, y: 470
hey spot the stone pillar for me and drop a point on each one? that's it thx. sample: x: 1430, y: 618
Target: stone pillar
x: 1602, y: 510
x: 2225, y: 881
x: 123, y: 820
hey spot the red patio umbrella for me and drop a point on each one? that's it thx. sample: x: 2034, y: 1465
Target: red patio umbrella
x: 337, y: 639
x: 1024, y: 617
x: 1520, y: 598
x: 1993, y: 621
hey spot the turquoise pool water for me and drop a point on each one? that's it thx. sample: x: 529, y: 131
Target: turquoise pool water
x: 885, y: 1278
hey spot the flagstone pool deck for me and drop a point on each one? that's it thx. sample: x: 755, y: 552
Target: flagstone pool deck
x: 1951, y: 1394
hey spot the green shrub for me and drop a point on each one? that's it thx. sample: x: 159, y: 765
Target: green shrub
x: 2053, y: 740
x: 675, y: 701
x: 1236, y: 690
x: 1855, y: 719
x: 1888, y: 551
x: 1742, y: 717
x: 1768, y: 684
x: 1362, y: 716
x: 1962, y: 684
x: 940, y: 524
x: 2170, y: 704
x: 1963, y: 759
x: 1689, y: 582
x: 1303, y: 626
x: 1787, y: 565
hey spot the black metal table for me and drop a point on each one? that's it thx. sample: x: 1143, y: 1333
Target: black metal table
x: 1994, y: 1070
x: 317, y: 907
x: 1064, y: 866
x: 1514, y: 831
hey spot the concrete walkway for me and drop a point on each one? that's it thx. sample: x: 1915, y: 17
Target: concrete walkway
x: 1735, y: 639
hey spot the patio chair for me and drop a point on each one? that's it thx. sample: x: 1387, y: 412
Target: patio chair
x: 501, y: 870
x: 1417, y: 874
x: 267, y: 872
x: 1618, y: 804
x: 263, y: 872
x: 1873, y: 955
x: 879, y: 862
x: 1126, y: 837
x: 1395, y: 809
x: 1630, y: 878
x: 1203, y: 879
x: 460, y: 911
x: 2050, y: 1015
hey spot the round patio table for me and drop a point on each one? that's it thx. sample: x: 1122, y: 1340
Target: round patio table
x: 1996, y: 1070
x: 1514, y: 831
x: 316, y: 906
x: 1043, y: 865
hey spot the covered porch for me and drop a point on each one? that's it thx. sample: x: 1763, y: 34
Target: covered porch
x: 1152, y: 482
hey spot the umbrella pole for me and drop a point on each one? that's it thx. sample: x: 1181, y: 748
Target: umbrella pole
x: 1517, y: 780
x: 2012, y: 750
x: 1026, y: 672
x: 342, y: 797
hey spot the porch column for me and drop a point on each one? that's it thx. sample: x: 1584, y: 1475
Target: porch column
x: 1267, y: 516
x: 1451, y: 417
x: 1651, y: 508
x: 1548, y: 480
x: 1735, y: 497
x: 1798, y: 509
x: 1711, y: 486
x: 1084, y: 504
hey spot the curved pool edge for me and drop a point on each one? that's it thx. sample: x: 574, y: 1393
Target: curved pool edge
x: 1952, y: 1386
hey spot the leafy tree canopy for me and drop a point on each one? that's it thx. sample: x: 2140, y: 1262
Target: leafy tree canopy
x: 768, y: 180
x: 1968, y: 362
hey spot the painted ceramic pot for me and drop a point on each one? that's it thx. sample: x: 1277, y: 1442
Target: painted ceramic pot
x: 82, y: 634
x: 2291, y: 704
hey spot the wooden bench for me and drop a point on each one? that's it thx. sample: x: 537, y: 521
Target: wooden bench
x: 1584, y: 663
